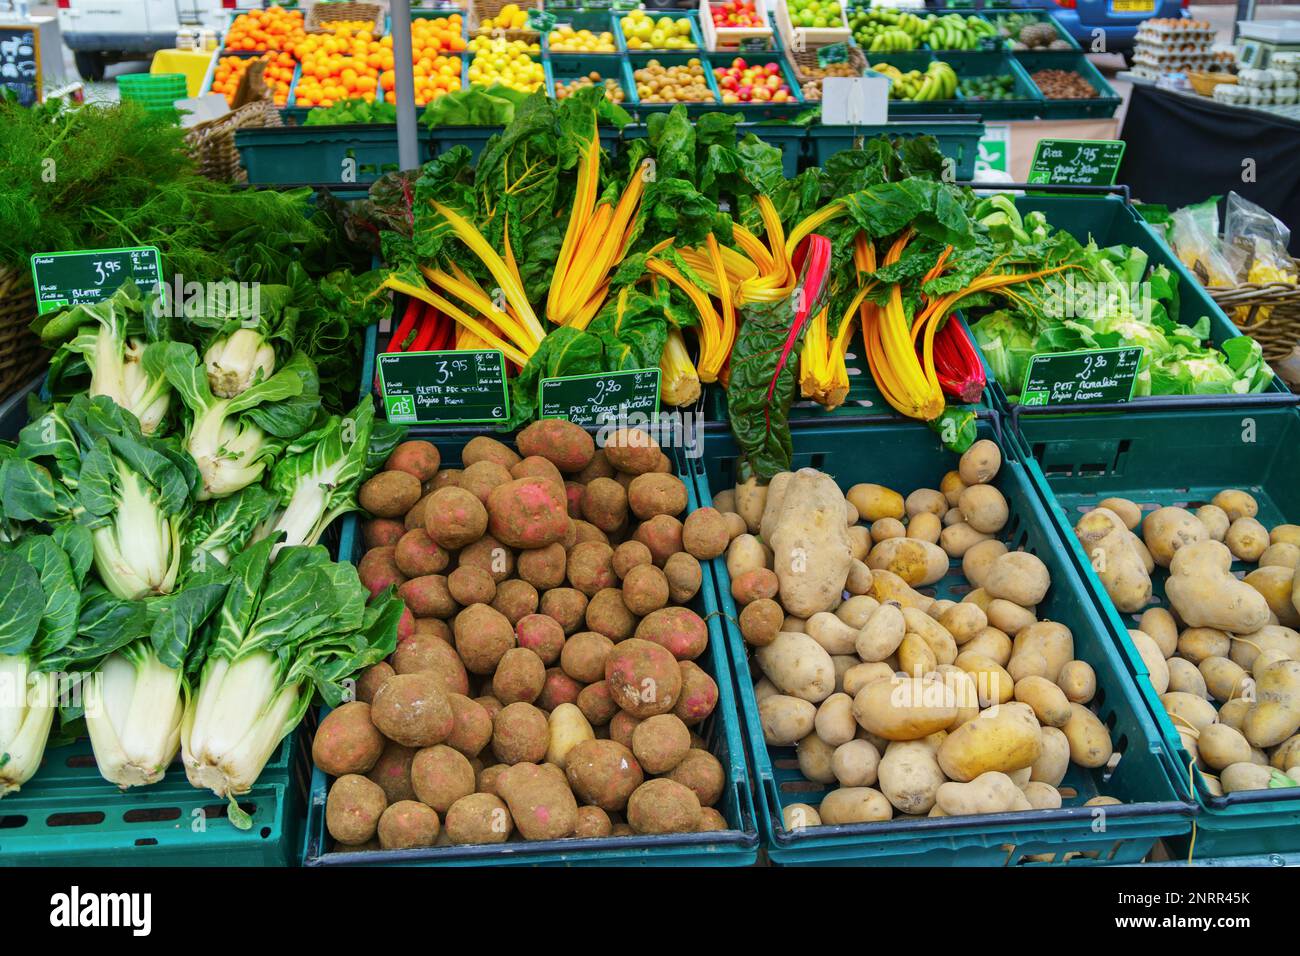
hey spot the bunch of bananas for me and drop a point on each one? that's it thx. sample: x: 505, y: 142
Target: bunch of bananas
x: 952, y: 31
x: 890, y: 31
x: 938, y: 82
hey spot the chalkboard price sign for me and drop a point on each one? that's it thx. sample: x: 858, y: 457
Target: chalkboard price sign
x: 444, y: 387
x: 20, y: 63
x: 92, y: 275
x: 600, y: 398
x: 1076, y: 162
x: 1082, y: 378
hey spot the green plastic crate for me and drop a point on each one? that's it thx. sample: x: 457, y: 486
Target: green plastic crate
x: 974, y: 63
x: 156, y: 92
x: 917, y: 60
x: 637, y: 60
x: 563, y: 67
x: 355, y: 153
x: 959, y: 138
x: 1105, y: 103
x: 1037, y: 16
x: 68, y: 815
x: 1109, y: 221
x: 674, y: 14
x: 1157, y: 461
x: 735, y: 846
x: 910, y: 456
x: 756, y: 111
x: 597, y: 21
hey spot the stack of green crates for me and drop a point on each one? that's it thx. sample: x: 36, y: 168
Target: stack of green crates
x: 156, y: 92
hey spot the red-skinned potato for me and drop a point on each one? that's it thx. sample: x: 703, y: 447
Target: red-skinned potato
x: 347, y: 741
x: 542, y: 635
x: 644, y: 678
x: 390, y: 494
x: 417, y: 554
x: 632, y: 451
x: 378, y: 570
x: 699, y: 695
x: 381, y: 532
x: 678, y: 629
x: 565, y: 444
x: 483, y: 448
x: 528, y: 513
x: 427, y: 652
x: 454, y: 518
x: 417, y: 458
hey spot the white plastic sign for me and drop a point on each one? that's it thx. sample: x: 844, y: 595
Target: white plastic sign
x: 855, y: 100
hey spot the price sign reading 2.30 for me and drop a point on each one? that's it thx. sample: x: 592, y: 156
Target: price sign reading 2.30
x: 444, y: 387
x: 1082, y: 378
x: 600, y: 398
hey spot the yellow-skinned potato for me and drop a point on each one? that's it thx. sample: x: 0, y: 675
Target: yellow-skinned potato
x: 927, y: 527
x: 980, y: 462
x: 855, y: 805
x: 763, y: 689
x: 835, y: 722
x: 800, y: 816
x: 925, y: 501
x: 934, y: 633
x: 1267, y: 659
x: 984, y: 508
x: 1128, y: 511
x: 785, y: 720
x: 858, y: 581
x: 1168, y: 529
x: 860, y: 675
x: 1202, y: 557
x: 991, y: 643
x: 909, y: 776
x: 1149, y: 651
x: 905, y: 708
x: 1275, y: 583
x: 751, y: 499
x: 1286, y: 754
x: 1215, y: 519
x: 992, y: 792
x: 887, y: 586
x: 882, y: 529
x: 953, y: 516
x: 993, y: 684
x: 857, y: 610
x: 915, y: 656
x: 1096, y: 524
x: 1053, y: 758
x: 1005, y: 741
x: 1247, y: 539
x: 1236, y: 504
x: 979, y: 558
x: 831, y: 633
x: 1224, y: 679
x: 965, y: 693
x: 876, y: 501
x: 725, y: 501
x: 1159, y: 625
x: 1045, y: 699
x: 1019, y: 577
x: 798, y: 666
x: 1285, y: 534
x: 810, y: 544
x: 1187, y: 710
x: 1042, y: 796
x: 851, y: 516
x: 1027, y: 664
x: 964, y: 622
x: 1120, y: 569
x: 814, y: 756
x: 772, y: 505
x: 1049, y: 638
x: 1090, y: 744
x: 567, y: 727
x: 860, y: 542
x: 882, y: 634
x: 1203, y: 593
x: 957, y: 540
x: 1009, y: 617
x: 1233, y: 712
x: 1220, y: 746
x: 1245, y: 776
x: 1078, y: 681
x: 1195, y: 644
x: 916, y: 561
x: 980, y: 598
x: 1185, y: 677
x: 745, y: 553
x: 1282, y: 555
x: 952, y: 486
x: 1276, y: 714
x: 1245, y: 647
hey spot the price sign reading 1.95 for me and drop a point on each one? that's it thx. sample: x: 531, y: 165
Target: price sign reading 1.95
x: 444, y: 387
x: 92, y: 275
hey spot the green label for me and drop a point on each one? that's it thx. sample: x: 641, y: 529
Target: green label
x: 993, y: 149
x: 443, y: 387
x: 92, y: 275
x: 541, y: 21
x: 835, y: 53
x: 1081, y: 378
x: 601, y: 397
x: 1076, y: 162
x: 755, y: 45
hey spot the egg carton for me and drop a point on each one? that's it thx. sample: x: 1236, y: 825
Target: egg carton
x: 1266, y: 79
x: 1192, y: 61
x: 1157, y: 51
x: 1177, y: 27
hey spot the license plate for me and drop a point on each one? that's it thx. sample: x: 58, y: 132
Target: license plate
x: 1133, y: 6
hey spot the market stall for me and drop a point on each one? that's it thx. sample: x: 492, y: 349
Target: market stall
x: 604, y: 481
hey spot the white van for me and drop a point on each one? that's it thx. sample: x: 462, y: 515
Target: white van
x: 99, y: 32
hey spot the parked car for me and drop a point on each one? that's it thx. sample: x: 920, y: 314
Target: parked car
x: 1118, y: 19
x: 100, y: 32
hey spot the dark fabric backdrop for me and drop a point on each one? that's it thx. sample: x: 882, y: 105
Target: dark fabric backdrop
x: 1181, y: 150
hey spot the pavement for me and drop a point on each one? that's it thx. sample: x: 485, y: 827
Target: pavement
x: 1221, y: 15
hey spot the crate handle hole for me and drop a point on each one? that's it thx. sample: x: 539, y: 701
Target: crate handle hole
x: 82, y: 819
x: 266, y: 833
x: 151, y: 815
x: 13, y: 821
x: 76, y: 761
x: 146, y: 841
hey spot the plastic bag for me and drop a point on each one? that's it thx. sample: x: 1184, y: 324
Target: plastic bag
x: 1196, y: 240
x: 1259, y: 241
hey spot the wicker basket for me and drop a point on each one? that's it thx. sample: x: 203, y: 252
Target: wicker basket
x: 323, y: 14
x: 1204, y: 83
x: 213, y: 143
x: 1268, y: 312
x: 806, y: 68
x: 21, y: 354
x: 480, y: 10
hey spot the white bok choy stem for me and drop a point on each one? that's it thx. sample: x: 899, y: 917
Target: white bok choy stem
x: 27, y: 705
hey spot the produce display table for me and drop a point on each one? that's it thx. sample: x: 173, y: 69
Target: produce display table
x: 1161, y: 126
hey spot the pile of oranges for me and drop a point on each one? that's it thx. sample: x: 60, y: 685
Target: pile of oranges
x: 278, y: 75
x: 350, y: 63
x: 272, y: 30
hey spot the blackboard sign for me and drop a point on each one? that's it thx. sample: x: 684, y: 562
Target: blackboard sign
x: 91, y: 275
x: 598, y: 398
x: 20, y: 62
x: 1076, y: 162
x: 444, y: 387
x: 1081, y: 378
